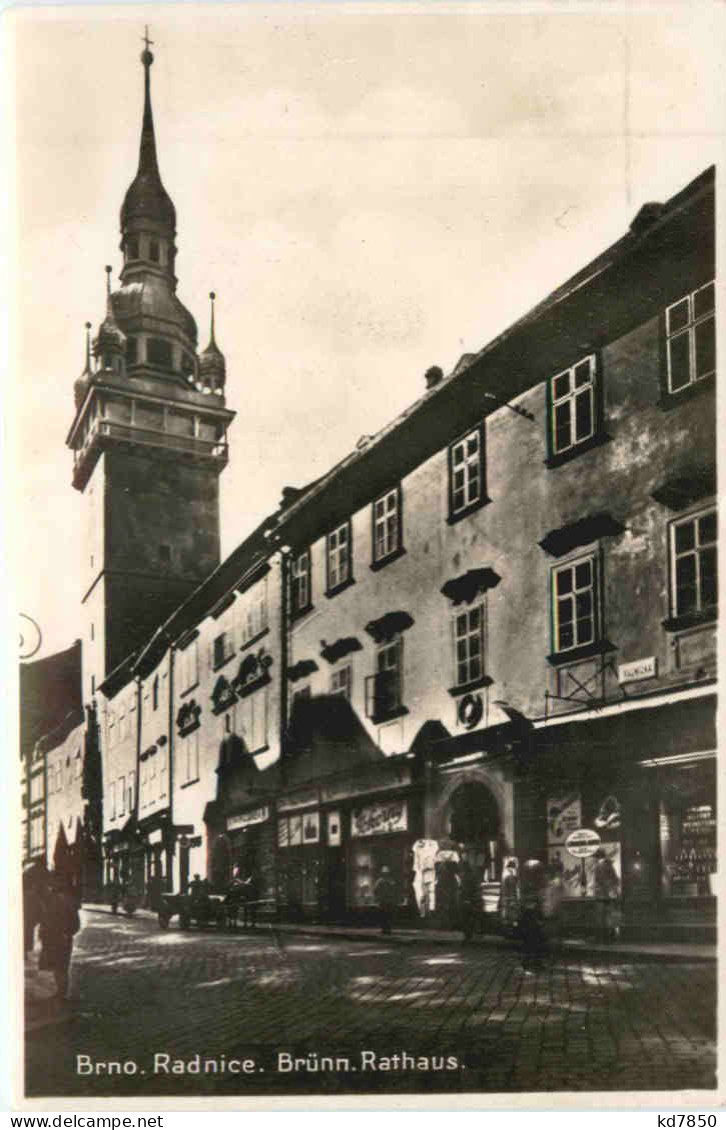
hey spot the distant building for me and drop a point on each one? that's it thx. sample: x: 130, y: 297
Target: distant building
x: 489, y: 627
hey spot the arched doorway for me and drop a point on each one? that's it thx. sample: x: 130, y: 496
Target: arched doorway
x: 475, y: 822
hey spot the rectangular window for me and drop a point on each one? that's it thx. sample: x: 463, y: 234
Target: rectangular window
x: 469, y: 645
x: 122, y: 796
x: 573, y: 405
x: 386, y: 524
x: 222, y: 649
x: 189, y: 666
x: 384, y: 690
x: 691, y: 338
x: 252, y: 720
x: 254, y: 613
x: 466, y: 473
x: 341, y: 681
x: 158, y: 352
x: 300, y: 586
x: 191, y: 749
x: 132, y: 790
x: 694, y: 563
x: 162, y: 772
x: 574, y: 604
x: 338, y: 555
x: 112, y: 799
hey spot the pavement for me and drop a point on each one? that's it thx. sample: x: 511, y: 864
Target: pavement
x: 314, y: 1011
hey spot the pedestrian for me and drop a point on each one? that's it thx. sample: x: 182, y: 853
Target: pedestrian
x: 554, y: 892
x: 509, y: 898
x: 58, y: 925
x: 385, y: 894
x: 249, y: 904
x: 114, y: 894
x: 607, y: 894
x: 531, y: 919
x: 469, y: 897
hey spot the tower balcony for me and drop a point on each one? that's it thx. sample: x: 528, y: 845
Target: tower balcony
x: 104, y: 432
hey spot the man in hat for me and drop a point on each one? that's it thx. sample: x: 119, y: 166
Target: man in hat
x: 385, y: 896
x: 58, y: 924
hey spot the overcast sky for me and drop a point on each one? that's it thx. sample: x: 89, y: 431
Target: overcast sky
x: 370, y: 189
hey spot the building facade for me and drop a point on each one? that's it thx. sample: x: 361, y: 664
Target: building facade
x: 490, y: 626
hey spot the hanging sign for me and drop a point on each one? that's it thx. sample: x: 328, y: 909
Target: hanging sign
x: 582, y: 843
x: 379, y: 819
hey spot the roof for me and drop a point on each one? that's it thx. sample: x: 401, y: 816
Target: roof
x: 50, y: 697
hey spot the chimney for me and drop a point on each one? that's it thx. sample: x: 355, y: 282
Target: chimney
x: 434, y: 376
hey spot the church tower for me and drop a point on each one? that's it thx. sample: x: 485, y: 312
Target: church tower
x: 149, y: 436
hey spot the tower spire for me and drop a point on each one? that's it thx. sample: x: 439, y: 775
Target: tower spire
x: 147, y: 150
x: 147, y: 198
x: 87, y: 370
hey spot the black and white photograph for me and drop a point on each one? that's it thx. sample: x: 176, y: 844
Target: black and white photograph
x: 363, y: 428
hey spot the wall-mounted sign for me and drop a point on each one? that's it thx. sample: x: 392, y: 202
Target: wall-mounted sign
x: 303, y: 798
x: 374, y: 781
x: 582, y: 843
x: 638, y: 669
x: 245, y: 819
x: 379, y: 819
x: 311, y: 827
x: 564, y: 815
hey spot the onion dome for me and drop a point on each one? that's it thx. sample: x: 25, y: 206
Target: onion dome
x: 80, y: 386
x: 110, y: 340
x: 212, y: 365
x: 146, y: 197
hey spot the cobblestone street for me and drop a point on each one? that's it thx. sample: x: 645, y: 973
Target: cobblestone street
x: 481, y: 1021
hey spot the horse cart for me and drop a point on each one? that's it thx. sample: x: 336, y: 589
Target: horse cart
x: 193, y: 910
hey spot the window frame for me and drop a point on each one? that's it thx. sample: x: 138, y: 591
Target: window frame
x: 481, y: 679
x: 226, y: 649
x: 297, y: 606
x: 341, y: 582
x: 578, y: 648
x: 598, y: 435
x: 689, y: 330
x: 378, y: 559
x: 470, y: 505
x: 701, y: 613
x: 345, y: 690
x: 396, y: 708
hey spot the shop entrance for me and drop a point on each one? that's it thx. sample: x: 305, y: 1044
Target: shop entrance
x: 474, y: 822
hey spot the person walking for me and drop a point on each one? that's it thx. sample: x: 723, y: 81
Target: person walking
x: 59, y: 923
x: 509, y: 898
x: 385, y: 895
x: 607, y: 894
x: 469, y: 898
x: 531, y: 919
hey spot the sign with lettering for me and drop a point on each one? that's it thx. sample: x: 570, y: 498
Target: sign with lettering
x: 564, y: 815
x: 374, y: 781
x: 582, y: 843
x: 379, y: 819
x: 245, y: 819
x: 638, y: 669
x: 303, y: 798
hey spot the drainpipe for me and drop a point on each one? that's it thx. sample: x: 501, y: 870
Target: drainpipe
x: 171, y: 850
x: 284, y: 649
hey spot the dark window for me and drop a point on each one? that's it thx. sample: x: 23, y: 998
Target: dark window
x: 155, y: 693
x: 694, y: 563
x: 187, y: 366
x: 158, y: 352
x: 132, y: 350
x: 384, y: 690
x: 165, y: 554
x: 222, y: 649
x: 132, y: 248
x: 574, y: 604
x: 301, y: 592
x: 691, y: 338
x: 154, y: 250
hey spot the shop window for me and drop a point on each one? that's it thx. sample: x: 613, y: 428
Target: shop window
x: 694, y: 567
x: 690, y: 329
x: 469, y: 645
x: 384, y: 690
x: 466, y: 474
x: 338, y: 556
x: 387, y: 527
x: 574, y: 604
x: 300, y: 584
x: 341, y: 681
x: 222, y: 649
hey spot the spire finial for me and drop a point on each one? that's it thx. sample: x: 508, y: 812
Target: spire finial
x: 212, y: 297
x: 146, y: 56
x: 88, y: 348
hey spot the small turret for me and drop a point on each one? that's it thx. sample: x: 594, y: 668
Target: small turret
x: 212, y: 365
x: 110, y: 345
x: 80, y: 387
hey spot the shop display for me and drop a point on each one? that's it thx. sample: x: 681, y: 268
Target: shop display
x: 696, y: 860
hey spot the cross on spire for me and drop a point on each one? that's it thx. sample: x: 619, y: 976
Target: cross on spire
x: 145, y: 37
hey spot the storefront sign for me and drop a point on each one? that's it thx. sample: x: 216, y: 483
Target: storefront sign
x: 564, y: 815
x: 156, y: 836
x: 374, y: 781
x: 582, y: 843
x: 304, y: 798
x: 638, y: 669
x: 379, y: 819
x: 245, y: 819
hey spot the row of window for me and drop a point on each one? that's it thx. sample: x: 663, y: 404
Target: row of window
x: 575, y: 602
x: 121, y: 797
x: 573, y: 418
x: 62, y: 772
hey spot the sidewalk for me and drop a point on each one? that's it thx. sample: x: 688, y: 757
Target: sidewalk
x: 622, y: 951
